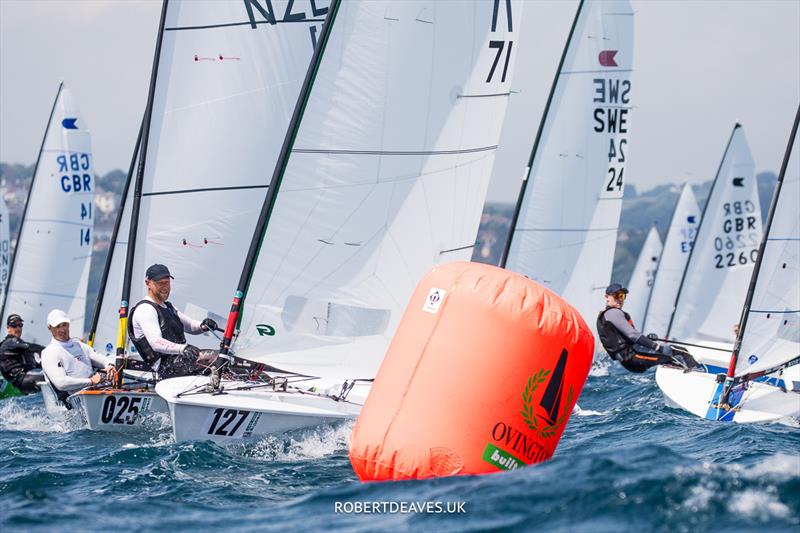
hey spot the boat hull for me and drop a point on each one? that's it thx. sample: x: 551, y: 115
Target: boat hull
x: 699, y: 391
x: 241, y: 414
x: 117, y: 409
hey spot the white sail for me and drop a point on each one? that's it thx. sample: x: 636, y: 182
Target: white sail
x: 386, y: 179
x: 566, y: 233
x: 105, y: 334
x: 771, y: 331
x: 677, y: 246
x: 228, y: 77
x: 53, y: 252
x: 643, y: 277
x: 5, y: 246
x: 711, y: 297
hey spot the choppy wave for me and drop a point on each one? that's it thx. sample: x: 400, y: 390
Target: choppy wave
x: 626, y: 462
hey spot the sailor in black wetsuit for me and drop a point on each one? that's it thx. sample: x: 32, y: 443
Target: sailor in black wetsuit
x: 18, y: 361
x: 158, y: 330
x: 625, y: 344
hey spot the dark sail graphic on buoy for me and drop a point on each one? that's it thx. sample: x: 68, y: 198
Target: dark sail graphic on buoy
x: 551, y: 399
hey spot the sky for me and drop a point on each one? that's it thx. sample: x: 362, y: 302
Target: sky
x: 700, y: 66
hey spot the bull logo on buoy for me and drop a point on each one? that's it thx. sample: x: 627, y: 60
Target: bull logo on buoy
x: 551, y: 401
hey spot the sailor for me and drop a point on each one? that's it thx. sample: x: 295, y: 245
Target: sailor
x: 68, y: 363
x: 157, y: 329
x: 636, y: 352
x: 18, y: 359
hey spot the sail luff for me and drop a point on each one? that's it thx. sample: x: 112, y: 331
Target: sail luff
x: 280, y: 167
x: 28, y: 199
x: 537, y: 139
x: 137, y: 194
x: 700, y: 228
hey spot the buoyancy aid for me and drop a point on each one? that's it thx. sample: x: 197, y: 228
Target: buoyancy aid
x: 171, y: 330
x: 616, y: 344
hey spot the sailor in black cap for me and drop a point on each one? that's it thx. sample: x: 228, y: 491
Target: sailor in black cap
x: 18, y: 361
x: 636, y: 352
x: 158, y: 330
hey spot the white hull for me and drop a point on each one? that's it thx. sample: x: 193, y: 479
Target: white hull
x: 238, y: 414
x: 698, y: 392
x: 117, y: 410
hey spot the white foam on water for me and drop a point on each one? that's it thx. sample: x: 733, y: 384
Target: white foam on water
x: 600, y: 367
x: 758, y: 504
x: 16, y: 417
x: 780, y: 467
x: 588, y: 412
x: 699, y: 498
x: 312, y: 443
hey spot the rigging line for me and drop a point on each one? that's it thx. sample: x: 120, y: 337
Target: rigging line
x: 605, y: 71
x: 458, y: 249
x: 395, y: 152
x: 507, y: 93
x: 56, y: 221
x: 44, y: 293
x: 56, y: 151
x: 206, y: 189
x: 566, y: 229
x: 248, y: 23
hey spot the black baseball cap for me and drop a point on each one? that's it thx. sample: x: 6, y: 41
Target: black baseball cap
x: 13, y: 319
x: 615, y: 288
x: 157, y: 272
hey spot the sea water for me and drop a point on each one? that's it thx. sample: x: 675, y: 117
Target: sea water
x: 626, y: 462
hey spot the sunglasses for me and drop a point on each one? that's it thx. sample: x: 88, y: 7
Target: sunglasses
x: 15, y: 325
x: 620, y: 295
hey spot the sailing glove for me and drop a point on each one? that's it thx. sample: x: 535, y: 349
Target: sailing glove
x: 208, y: 325
x: 191, y: 351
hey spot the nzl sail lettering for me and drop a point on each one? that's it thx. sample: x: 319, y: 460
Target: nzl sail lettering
x: 264, y: 11
x: 76, y: 177
x: 612, y: 105
x: 737, y: 239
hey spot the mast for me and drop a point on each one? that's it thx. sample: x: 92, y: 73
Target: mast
x: 523, y: 186
x: 137, y: 194
x: 117, y: 223
x: 28, y: 200
x: 661, y: 256
x: 699, y: 228
x: 757, y: 267
x: 275, y: 182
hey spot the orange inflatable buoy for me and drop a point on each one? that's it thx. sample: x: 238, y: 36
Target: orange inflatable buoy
x: 481, y: 376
